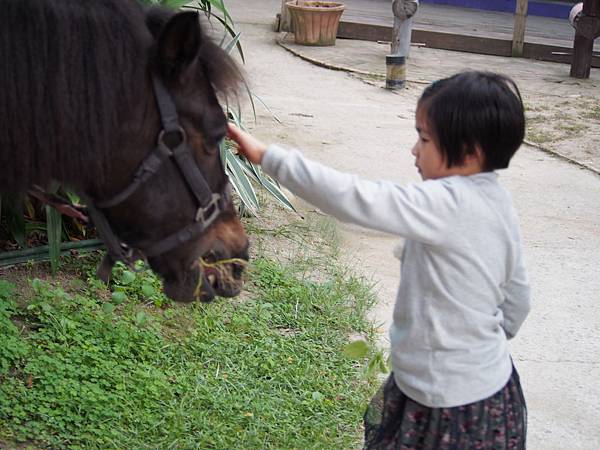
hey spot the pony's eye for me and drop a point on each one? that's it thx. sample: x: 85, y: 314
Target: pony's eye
x: 212, y: 142
x: 219, y: 137
x: 216, y: 135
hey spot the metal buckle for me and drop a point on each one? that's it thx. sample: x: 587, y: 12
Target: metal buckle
x: 214, y: 204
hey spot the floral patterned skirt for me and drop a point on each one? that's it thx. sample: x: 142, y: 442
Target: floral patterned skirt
x: 394, y: 421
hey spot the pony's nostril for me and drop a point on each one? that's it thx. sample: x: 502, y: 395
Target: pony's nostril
x: 210, y: 257
x: 237, y: 271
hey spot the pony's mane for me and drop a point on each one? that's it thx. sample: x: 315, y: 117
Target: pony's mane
x: 70, y: 73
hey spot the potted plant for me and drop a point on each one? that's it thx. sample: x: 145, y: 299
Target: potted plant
x: 315, y: 23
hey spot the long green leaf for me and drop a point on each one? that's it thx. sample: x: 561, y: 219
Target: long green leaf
x: 218, y: 4
x: 35, y: 226
x: 235, y: 118
x: 232, y: 43
x: 267, y: 108
x: 274, y: 188
x: 232, y: 32
x: 241, y: 183
x: 270, y: 185
x: 54, y: 230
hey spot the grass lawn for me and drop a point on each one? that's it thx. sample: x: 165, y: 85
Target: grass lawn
x: 86, y: 366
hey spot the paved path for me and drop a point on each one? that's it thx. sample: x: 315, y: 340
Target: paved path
x: 359, y: 127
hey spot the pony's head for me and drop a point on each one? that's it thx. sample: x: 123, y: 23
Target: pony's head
x: 83, y: 109
x: 182, y: 218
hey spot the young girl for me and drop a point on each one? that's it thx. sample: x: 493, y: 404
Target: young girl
x: 463, y: 291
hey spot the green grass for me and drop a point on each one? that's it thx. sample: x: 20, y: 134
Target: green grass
x: 91, y: 368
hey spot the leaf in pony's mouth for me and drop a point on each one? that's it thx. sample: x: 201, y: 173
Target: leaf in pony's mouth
x: 221, y: 265
x: 224, y: 274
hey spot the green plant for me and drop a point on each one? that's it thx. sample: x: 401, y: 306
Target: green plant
x: 30, y: 223
x: 138, y: 285
x: 360, y: 350
x: 266, y: 372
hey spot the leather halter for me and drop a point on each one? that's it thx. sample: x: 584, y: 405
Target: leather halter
x: 210, y: 204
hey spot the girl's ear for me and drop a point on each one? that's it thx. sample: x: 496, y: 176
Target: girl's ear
x: 178, y: 44
x: 476, y: 158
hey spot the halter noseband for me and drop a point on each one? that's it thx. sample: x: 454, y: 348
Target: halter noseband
x: 210, y: 204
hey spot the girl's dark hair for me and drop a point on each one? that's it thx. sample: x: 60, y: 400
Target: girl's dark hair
x: 473, y: 109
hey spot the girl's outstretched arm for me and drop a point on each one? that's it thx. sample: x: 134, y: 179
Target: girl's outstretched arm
x: 418, y: 211
x: 248, y: 145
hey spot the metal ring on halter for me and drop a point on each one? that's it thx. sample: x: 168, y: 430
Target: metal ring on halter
x: 182, y: 134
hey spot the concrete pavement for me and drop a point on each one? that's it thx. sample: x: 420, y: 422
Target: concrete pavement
x: 360, y: 127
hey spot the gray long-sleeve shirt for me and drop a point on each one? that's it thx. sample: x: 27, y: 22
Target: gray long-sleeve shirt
x: 463, y: 288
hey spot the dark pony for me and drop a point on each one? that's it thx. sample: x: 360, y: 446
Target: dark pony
x: 77, y: 106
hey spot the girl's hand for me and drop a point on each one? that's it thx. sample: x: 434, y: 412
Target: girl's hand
x: 248, y: 145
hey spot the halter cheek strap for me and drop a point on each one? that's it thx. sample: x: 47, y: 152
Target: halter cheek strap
x: 210, y: 204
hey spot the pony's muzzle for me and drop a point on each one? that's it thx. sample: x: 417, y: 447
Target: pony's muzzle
x: 223, y: 277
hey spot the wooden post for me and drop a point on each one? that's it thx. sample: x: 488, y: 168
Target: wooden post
x: 403, y: 10
x: 519, y: 29
x: 401, y: 34
x: 587, y: 29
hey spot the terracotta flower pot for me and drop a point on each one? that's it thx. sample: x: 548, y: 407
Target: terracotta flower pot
x: 315, y: 23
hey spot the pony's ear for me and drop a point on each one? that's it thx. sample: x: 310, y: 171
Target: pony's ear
x: 179, y: 42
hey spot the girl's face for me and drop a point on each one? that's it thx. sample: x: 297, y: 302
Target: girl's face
x: 429, y: 160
